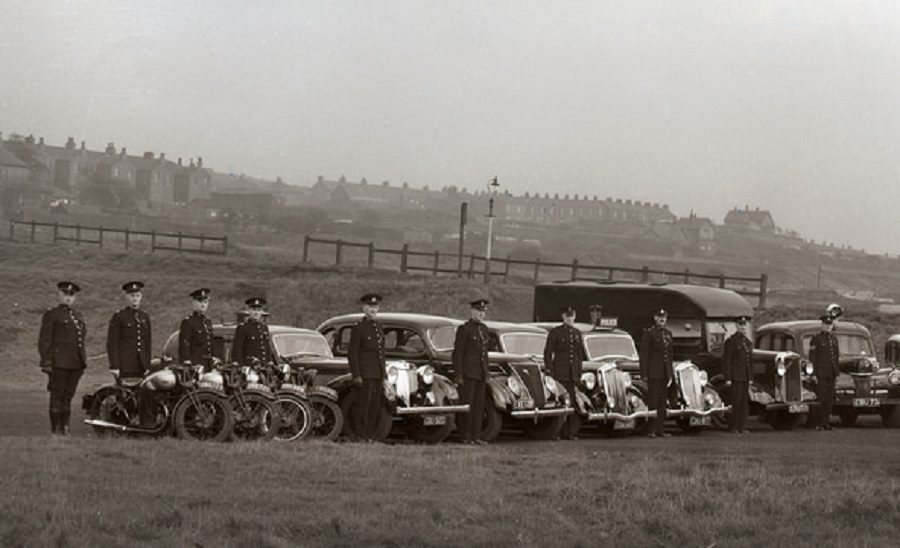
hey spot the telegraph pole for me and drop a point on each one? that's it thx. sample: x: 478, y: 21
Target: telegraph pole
x: 492, y: 189
x: 463, y: 214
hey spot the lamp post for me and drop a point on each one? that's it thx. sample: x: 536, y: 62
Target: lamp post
x: 492, y: 190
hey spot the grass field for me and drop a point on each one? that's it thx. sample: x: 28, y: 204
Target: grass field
x: 802, y: 489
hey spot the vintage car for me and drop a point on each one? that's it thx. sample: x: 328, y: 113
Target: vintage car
x: 607, y: 395
x: 520, y: 394
x: 863, y: 386
x: 777, y: 392
x: 700, y: 318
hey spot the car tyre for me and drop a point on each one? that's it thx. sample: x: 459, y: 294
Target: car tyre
x: 782, y: 420
x: 352, y: 421
x: 890, y: 416
x: 493, y: 420
x: 848, y: 417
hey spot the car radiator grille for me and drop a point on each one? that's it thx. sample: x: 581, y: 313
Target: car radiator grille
x: 407, y: 384
x: 534, y: 381
x: 863, y: 385
x: 689, y: 378
x: 792, y: 386
x: 614, y: 384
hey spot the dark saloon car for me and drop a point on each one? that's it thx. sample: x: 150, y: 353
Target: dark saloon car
x: 863, y: 385
x: 520, y: 395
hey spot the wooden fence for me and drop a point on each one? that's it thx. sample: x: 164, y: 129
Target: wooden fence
x: 100, y: 236
x: 519, y: 270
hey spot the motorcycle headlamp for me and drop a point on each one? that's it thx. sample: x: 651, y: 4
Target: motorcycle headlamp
x: 285, y: 369
x: 704, y: 378
x: 427, y: 374
x: 251, y: 376
x: 589, y: 380
x: 894, y: 377
x: 515, y: 386
x: 626, y: 378
x: 392, y: 374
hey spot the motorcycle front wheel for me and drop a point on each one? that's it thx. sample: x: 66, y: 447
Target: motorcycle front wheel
x: 203, y: 416
x: 296, y: 418
x: 256, y: 417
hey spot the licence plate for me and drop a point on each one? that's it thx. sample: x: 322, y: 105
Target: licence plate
x: 434, y: 420
x: 523, y: 404
x: 623, y: 425
x: 698, y: 421
x: 866, y: 402
x: 798, y: 408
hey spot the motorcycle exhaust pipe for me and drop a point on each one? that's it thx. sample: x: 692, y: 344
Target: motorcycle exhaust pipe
x: 120, y: 427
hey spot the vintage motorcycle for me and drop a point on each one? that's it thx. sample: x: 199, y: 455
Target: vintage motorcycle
x: 181, y: 405
x: 290, y: 396
x: 256, y: 413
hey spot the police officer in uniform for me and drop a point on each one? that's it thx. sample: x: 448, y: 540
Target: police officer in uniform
x: 365, y: 354
x: 596, y: 311
x: 251, y: 338
x: 128, y: 345
x: 61, y: 347
x: 470, y: 361
x: 656, y: 367
x: 824, y: 355
x: 196, y: 334
x: 563, y: 356
x: 737, y: 367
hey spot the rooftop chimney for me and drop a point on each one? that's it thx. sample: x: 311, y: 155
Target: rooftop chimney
x: 70, y: 144
x: 179, y: 161
x: 110, y: 148
x: 148, y: 155
x: 82, y: 146
x: 192, y: 162
x: 123, y: 152
x: 199, y: 161
x: 162, y: 156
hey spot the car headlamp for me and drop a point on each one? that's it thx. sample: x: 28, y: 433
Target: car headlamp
x: 808, y: 368
x: 710, y: 399
x: 515, y: 386
x: 551, y: 385
x: 894, y: 377
x: 589, y: 380
x: 392, y: 374
x: 626, y: 378
x: 704, y: 378
x: 780, y: 368
x: 428, y: 374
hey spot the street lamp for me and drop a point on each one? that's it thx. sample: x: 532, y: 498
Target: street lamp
x: 492, y: 187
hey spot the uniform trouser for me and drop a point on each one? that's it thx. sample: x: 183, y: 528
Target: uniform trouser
x: 569, y: 429
x: 61, y: 384
x: 472, y: 392
x: 370, y: 407
x: 740, y: 402
x: 825, y: 393
x: 658, y: 402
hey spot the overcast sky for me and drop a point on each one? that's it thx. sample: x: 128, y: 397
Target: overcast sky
x: 789, y: 106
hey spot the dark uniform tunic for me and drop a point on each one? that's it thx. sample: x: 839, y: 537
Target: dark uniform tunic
x: 366, y: 358
x: 195, y: 339
x: 656, y: 366
x: 128, y: 342
x: 61, y: 347
x: 251, y: 340
x: 470, y: 361
x: 824, y: 355
x: 737, y: 367
x: 563, y: 356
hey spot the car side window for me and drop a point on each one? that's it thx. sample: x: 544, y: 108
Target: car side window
x: 219, y: 347
x: 789, y: 343
x: 341, y: 342
x: 403, y: 343
x: 764, y: 342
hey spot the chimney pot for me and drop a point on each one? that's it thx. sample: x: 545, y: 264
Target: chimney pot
x: 148, y: 155
x: 82, y: 146
x: 199, y: 161
x: 179, y: 161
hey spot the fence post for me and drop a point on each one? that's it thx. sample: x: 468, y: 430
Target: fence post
x: 437, y: 260
x: 612, y: 274
x: 32, y: 231
x: 574, y: 269
x: 225, y: 245
x: 506, y: 270
x: 152, y: 241
x: 305, y: 248
x: 371, y: 254
x: 12, y: 230
x: 471, y: 265
x: 763, y: 283
x: 202, y: 241
x: 179, y: 240
x: 537, y: 268
x: 645, y: 274
x: 78, y: 234
x: 337, y: 252
x: 722, y: 281
x: 127, y: 237
x: 687, y: 275
x: 55, y: 231
x: 404, y: 257
x: 100, y: 237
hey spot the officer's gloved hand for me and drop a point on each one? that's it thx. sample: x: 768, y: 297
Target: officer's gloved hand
x: 115, y: 373
x: 459, y: 381
x: 727, y: 383
x: 45, y: 370
x: 357, y: 381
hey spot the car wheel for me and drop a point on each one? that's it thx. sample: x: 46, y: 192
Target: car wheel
x: 493, y: 420
x: 848, y: 417
x: 890, y: 416
x: 783, y: 420
x: 353, y: 419
x: 432, y: 433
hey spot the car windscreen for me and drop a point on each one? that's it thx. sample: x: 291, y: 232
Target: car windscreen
x: 848, y: 345
x: 609, y: 345
x: 531, y: 344
x: 301, y: 344
x: 442, y: 337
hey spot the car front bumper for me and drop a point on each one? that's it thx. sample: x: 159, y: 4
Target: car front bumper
x: 539, y: 413
x: 697, y: 412
x: 620, y: 417
x: 433, y: 410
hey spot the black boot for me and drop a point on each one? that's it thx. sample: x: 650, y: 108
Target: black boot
x: 64, y: 424
x: 54, y: 422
